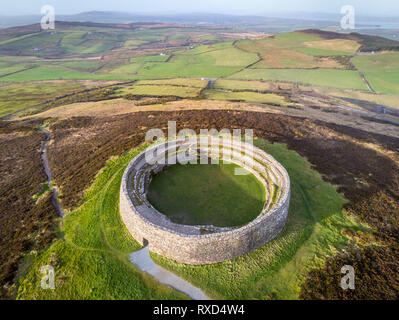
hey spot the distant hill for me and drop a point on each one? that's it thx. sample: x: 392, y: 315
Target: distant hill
x: 386, y: 27
x: 368, y: 42
x: 258, y: 23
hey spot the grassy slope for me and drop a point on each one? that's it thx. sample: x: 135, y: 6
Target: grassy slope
x: 17, y: 96
x: 248, y: 96
x: 184, y: 82
x: 381, y: 70
x: 163, y: 90
x: 323, y: 52
x: 91, y: 259
x: 219, y: 60
x: 49, y: 73
x: 345, y: 79
x: 314, y: 230
x: 207, y: 195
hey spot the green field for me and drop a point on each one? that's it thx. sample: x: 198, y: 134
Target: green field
x: 15, y: 97
x: 296, y: 37
x: 381, y: 70
x: 377, y: 62
x: 84, y: 66
x: 247, y: 96
x: 322, y: 52
x: 184, y: 82
x: 217, y: 61
x: 275, y: 58
x: 157, y: 58
x: 207, y: 195
x: 384, y: 82
x: 132, y: 68
x: 9, y: 69
x: 50, y: 73
x: 345, y: 79
x: 159, y: 91
x: 241, y: 85
x: 182, y: 69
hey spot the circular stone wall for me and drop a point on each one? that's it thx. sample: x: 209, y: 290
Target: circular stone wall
x: 202, y: 244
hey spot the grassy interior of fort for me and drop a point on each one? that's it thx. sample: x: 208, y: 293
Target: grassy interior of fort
x: 91, y: 252
x: 207, y: 194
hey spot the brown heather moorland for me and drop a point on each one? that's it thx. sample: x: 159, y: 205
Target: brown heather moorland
x: 25, y: 224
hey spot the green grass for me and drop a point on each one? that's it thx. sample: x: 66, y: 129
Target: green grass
x: 184, y: 82
x: 314, y: 230
x: 127, y: 69
x: 240, y: 85
x: 248, y: 96
x: 17, y: 96
x: 377, y: 63
x: 42, y: 192
x: 345, y: 79
x: 91, y: 256
x: 384, y: 82
x: 227, y: 57
x: 11, y: 69
x: 219, y: 60
x: 82, y: 65
x: 160, y: 91
x: 49, y: 73
x: 381, y: 70
x: 212, y: 194
x: 155, y: 58
x: 185, y: 69
x: 322, y: 52
x: 296, y: 37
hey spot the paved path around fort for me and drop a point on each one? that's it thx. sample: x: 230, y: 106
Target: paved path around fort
x: 144, y: 262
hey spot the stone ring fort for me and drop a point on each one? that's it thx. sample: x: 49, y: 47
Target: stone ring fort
x: 203, y: 244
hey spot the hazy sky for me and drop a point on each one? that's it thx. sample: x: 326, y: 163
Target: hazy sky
x: 256, y: 7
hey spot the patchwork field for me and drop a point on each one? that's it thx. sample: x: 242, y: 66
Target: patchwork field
x: 15, y: 97
x: 267, y: 98
x: 276, y: 55
x: 381, y: 70
x: 183, y: 82
x: 159, y: 91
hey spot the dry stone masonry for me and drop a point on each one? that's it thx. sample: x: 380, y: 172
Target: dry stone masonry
x: 202, y: 244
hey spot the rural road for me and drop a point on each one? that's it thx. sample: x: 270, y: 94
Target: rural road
x: 144, y: 262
